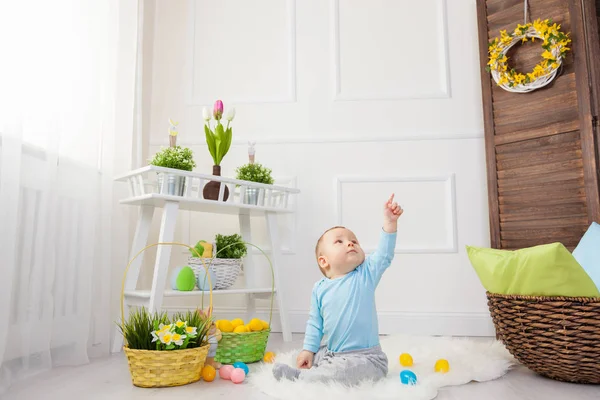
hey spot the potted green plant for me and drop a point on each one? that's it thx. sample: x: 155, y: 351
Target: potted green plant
x: 253, y: 173
x: 174, y: 157
x: 218, y: 142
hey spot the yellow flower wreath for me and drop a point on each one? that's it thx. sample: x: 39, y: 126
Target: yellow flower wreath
x: 554, y: 43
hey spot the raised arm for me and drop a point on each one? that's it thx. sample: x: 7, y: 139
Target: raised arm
x: 380, y: 260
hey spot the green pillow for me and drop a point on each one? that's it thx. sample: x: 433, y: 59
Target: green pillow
x: 546, y: 270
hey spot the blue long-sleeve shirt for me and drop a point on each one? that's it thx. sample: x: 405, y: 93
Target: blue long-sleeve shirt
x: 344, y: 308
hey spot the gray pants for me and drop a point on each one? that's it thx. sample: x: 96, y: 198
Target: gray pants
x: 349, y: 367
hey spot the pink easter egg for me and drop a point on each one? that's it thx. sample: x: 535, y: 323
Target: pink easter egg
x: 238, y: 375
x: 225, y: 371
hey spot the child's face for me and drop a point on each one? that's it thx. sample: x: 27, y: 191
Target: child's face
x: 340, y: 252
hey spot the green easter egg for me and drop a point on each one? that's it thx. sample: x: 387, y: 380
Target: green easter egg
x: 186, y: 280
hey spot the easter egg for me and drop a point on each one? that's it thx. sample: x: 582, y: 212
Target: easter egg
x: 241, y: 366
x: 240, y: 329
x: 237, y: 322
x: 269, y: 357
x: 442, y: 366
x: 185, y: 279
x: 238, y: 375
x: 408, y: 377
x: 173, y: 280
x: 206, y: 281
x: 209, y: 373
x: 406, y: 360
x: 226, y: 326
x: 265, y: 325
x: 225, y: 371
x: 256, y: 325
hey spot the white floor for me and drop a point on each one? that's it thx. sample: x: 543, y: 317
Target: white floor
x: 108, y: 378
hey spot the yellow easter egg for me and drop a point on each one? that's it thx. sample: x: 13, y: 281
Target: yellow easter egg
x: 265, y: 325
x: 237, y: 322
x: 226, y: 326
x: 209, y: 373
x: 406, y: 360
x: 240, y: 329
x: 269, y: 357
x: 442, y: 366
x: 256, y: 325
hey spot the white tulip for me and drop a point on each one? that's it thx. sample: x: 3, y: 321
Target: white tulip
x: 206, y: 114
x: 230, y: 114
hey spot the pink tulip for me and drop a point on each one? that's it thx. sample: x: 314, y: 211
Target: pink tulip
x: 218, y: 110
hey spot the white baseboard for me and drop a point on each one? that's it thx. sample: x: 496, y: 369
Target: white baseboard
x: 420, y: 323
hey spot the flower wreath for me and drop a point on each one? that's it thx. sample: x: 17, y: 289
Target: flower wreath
x: 555, y: 46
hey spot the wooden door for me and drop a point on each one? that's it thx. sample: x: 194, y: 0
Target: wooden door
x: 542, y: 147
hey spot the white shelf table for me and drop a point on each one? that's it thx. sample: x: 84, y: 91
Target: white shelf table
x: 172, y: 190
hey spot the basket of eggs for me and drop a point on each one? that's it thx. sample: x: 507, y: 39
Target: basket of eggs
x: 240, y: 341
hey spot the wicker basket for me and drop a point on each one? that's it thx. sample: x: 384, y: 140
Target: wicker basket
x: 226, y: 270
x: 246, y: 347
x: 557, y: 337
x: 151, y: 368
x: 166, y: 368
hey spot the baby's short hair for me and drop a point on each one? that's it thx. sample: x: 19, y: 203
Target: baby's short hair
x: 318, y: 246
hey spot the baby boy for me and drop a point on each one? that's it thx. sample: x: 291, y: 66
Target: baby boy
x: 343, y: 308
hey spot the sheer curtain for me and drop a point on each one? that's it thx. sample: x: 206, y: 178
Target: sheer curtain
x: 67, y: 71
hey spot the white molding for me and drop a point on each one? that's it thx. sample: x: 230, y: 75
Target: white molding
x: 390, y: 322
x: 333, y: 139
x: 198, y: 100
x: 445, y: 89
x: 450, y: 182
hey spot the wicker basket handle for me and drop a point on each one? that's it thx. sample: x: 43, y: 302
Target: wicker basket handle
x: 270, y: 266
x: 163, y: 244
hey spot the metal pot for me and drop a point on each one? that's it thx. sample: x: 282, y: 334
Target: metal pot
x: 251, y: 196
x: 170, y: 184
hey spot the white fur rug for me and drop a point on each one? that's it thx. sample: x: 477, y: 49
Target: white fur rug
x: 469, y: 360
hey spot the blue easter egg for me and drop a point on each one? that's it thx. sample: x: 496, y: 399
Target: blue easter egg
x: 203, y: 281
x: 408, y: 377
x: 242, y: 366
x: 174, y: 275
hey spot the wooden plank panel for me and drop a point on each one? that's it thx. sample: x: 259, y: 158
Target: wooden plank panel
x: 541, y: 170
x: 547, y: 235
x: 547, y: 187
x: 574, y: 154
x: 550, y: 142
x: 512, y: 114
x: 552, y: 129
x: 521, y: 212
x: 543, y: 198
x: 542, y: 178
x: 534, y: 116
x: 566, y: 222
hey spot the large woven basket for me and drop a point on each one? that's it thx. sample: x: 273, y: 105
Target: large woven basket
x: 166, y: 368
x: 557, y: 337
x: 226, y: 270
x: 151, y: 368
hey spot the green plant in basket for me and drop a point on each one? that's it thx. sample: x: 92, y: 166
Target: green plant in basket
x: 230, y: 246
x: 174, y: 157
x: 156, y: 331
x: 254, y: 173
